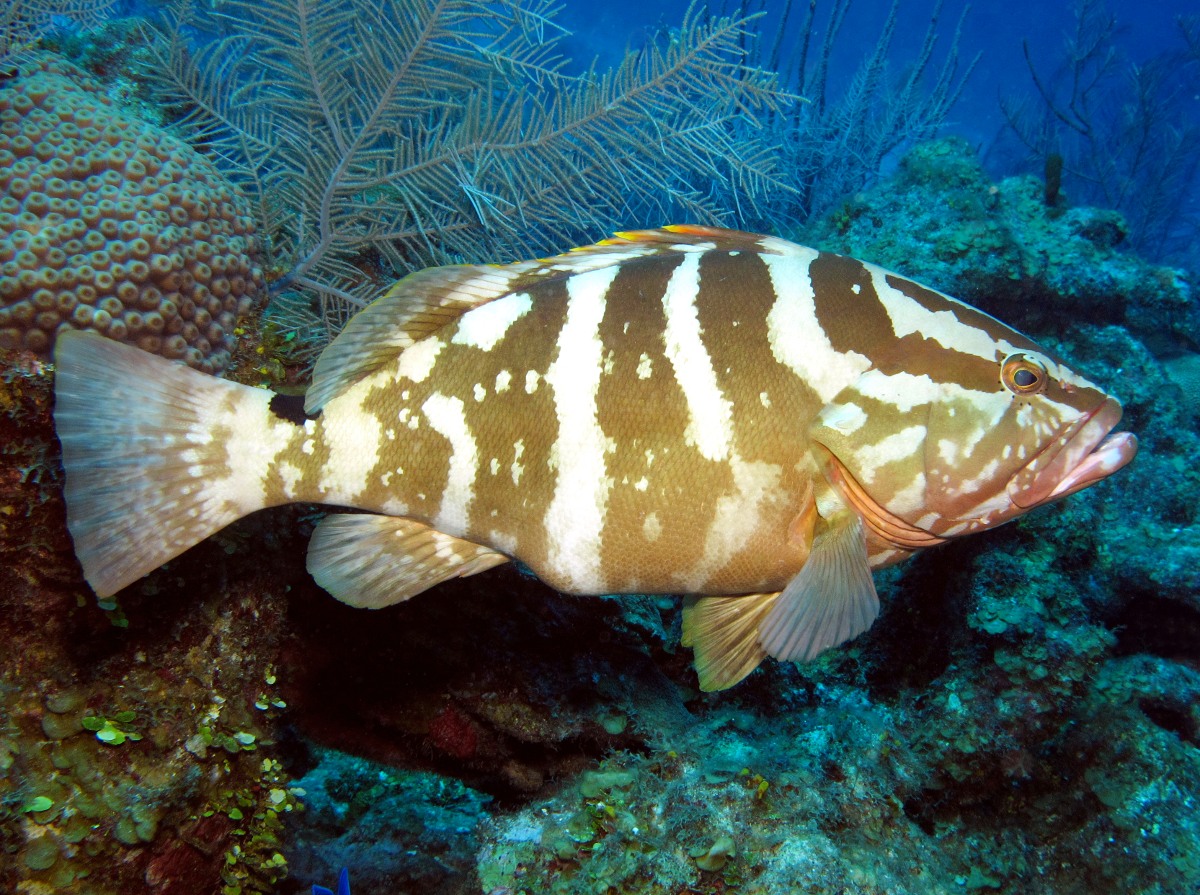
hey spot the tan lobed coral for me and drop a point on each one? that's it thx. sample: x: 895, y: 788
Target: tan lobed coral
x: 111, y: 224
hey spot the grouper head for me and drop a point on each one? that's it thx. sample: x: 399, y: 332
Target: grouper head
x: 967, y: 424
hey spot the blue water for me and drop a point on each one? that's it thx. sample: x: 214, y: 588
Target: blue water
x: 1001, y: 34
x: 995, y: 29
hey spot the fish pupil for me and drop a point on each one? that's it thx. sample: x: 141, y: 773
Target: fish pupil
x: 1024, y: 378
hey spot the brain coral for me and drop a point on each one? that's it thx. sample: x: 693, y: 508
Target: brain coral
x: 111, y: 224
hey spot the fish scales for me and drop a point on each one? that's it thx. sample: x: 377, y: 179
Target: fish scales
x: 604, y: 446
x: 688, y: 410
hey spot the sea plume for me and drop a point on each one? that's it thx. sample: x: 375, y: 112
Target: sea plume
x: 380, y: 137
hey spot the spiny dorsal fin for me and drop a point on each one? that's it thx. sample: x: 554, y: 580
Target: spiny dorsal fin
x: 414, y: 307
x: 831, y: 600
x: 723, y: 632
x: 425, y: 301
x: 375, y: 561
x: 696, y: 237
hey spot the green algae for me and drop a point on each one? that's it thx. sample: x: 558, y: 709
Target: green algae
x: 41, y: 853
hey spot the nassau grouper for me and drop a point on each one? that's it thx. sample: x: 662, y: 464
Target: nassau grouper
x: 732, y: 417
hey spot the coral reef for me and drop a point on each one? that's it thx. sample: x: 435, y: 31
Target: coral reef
x: 386, y: 823
x: 110, y: 224
x: 1022, y: 713
x: 139, y: 740
x: 999, y: 246
x: 1123, y: 129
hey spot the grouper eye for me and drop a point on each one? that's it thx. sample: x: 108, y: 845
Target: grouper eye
x: 1022, y: 375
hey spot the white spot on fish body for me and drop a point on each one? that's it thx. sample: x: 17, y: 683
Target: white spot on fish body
x: 353, y: 437
x: 710, y: 415
x: 904, y: 391
x: 505, y: 543
x: 910, y: 499
x: 971, y: 440
x: 968, y: 486
x: 416, y: 362
x: 494, y: 465
x: 479, y: 392
x: 944, y: 327
x: 503, y: 380
x: 516, y: 469
x: 575, y: 517
x: 644, y: 368
x: 531, y: 382
x: 651, y: 527
x: 483, y: 327
x: 447, y: 417
x: 291, y: 475
x: 897, y: 446
x: 796, y: 337
x: 844, y: 418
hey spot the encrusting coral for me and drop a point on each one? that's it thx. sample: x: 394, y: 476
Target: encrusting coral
x: 111, y: 224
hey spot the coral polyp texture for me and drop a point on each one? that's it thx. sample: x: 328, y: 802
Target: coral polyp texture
x: 111, y: 224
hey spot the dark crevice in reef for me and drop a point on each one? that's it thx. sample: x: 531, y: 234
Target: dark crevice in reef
x: 913, y: 634
x: 1158, y: 627
x: 1011, y: 795
x: 474, y: 681
x: 1172, y: 718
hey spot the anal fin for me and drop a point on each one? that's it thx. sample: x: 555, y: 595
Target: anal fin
x: 723, y: 632
x: 374, y: 561
x: 831, y: 600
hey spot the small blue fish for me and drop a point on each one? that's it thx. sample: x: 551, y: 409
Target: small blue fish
x: 343, y: 885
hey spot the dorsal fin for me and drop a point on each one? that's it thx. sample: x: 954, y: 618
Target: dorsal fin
x: 427, y: 300
x: 414, y: 307
x: 696, y: 237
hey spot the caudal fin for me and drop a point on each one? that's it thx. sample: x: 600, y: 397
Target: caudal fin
x: 157, y: 456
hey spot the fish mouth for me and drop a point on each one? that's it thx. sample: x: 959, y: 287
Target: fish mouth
x: 1085, y: 453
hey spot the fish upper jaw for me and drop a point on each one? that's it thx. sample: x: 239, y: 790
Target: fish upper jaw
x: 1088, y: 452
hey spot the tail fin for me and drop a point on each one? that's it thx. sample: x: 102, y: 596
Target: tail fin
x: 158, y: 456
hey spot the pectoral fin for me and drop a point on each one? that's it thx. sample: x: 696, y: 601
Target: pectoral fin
x: 375, y: 561
x: 831, y: 600
x: 723, y: 632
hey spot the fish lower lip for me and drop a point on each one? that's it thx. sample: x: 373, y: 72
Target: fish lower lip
x: 1111, y: 454
x: 1093, y: 453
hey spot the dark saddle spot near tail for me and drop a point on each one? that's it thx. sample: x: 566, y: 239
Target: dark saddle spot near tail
x: 290, y: 408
